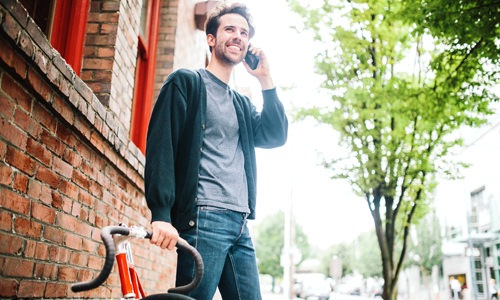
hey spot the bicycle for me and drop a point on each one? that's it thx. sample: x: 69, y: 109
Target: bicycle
x: 118, y: 237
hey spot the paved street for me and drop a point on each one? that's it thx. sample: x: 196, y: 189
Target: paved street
x: 271, y: 296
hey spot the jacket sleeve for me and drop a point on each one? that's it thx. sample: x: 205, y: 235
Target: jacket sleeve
x: 164, y: 131
x: 271, y: 124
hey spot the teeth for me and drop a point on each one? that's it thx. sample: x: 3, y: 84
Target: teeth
x: 234, y: 47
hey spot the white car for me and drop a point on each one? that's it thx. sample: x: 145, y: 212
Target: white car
x: 315, y: 289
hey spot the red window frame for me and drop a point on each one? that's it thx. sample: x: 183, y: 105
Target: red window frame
x: 144, y: 77
x: 68, y: 31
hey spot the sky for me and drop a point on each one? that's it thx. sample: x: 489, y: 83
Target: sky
x: 291, y: 176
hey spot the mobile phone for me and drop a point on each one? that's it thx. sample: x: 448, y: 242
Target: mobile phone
x: 252, y: 60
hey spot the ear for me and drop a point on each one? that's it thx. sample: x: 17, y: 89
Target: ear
x: 211, y: 40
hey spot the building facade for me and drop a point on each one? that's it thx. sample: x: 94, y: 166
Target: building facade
x: 471, y: 213
x: 78, y: 80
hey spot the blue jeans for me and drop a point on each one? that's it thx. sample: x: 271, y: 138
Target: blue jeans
x: 223, y: 240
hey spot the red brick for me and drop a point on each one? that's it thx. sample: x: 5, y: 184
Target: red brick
x: 42, y: 251
x: 10, y: 244
x: 66, y: 112
x: 27, y: 228
x: 95, y: 263
x: 20, y: 160
x: 86, y: 199
x: 58, y: 254
x: 84, y: 229
x: 67, y: 204
x: 13, y: 201
x: 20, y: 182
x: 47, y: 176
x: 62, y: 168
x: 29, y: 249
x: 99, y: 64
x: 24, y: 121
x: 31, y: 289
x: 16, y: 92
x: 34, y: 79
x: 44, y: 117
x: 34, y: 189
x: 43, y: 213
x: 96, y: 189
x: 39, y: 152
x: 84, y: 214
x: 16, y: 267
x: 83, y: 150
x: 6, y: 107
x: 5, y: 220
x: 46, y: 92
x: 53, y: 234
x: 57, y: 200
x: 66, y: 222
x: 75, y: 211
x: 9, y: 287
x: 13, y: 135
x: 46, y: 194
x: 89, y: 246
x: 72, y: 158
x: 78, y: 258
x: 52, y: 143
x: 6, y: 175
x: 46, y: 271
x: 56, y: 290
x: 20, y: 66
x: 69, y: 189
x: 73, y: 241
x: 66, y: 135
x: 67, y: 273
x: 6, y: 53
x: 80, y: 179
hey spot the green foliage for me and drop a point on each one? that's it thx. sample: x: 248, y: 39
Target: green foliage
x: 460, y: 24
x: 344, y: 252
x: 368, y: 260
x: 425, y: 247
x: 398, y: 116
x: 269, y: 242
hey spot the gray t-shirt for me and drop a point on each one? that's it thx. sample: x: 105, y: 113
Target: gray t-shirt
x: 222, y: 179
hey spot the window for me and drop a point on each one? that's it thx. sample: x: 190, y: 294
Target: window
x: 480, y: 212
x: 144, y: 75
x: 64, y: 23
x: 42, y: 12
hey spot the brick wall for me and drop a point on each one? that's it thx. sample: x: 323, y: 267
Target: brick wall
x: 67, y: 168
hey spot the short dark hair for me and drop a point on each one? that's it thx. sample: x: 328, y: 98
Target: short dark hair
x: 212, y: 23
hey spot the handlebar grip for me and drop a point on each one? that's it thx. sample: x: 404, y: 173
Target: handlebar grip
x: 198, y: 261
x: 107, y: 238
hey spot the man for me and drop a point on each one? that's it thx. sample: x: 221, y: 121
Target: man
x: 200, y: 171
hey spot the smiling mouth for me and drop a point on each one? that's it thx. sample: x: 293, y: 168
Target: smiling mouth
x: 234, y: 47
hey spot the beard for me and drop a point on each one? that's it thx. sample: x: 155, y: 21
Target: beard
x: 227, y: 58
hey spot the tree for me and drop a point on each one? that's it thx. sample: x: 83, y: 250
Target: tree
x: 398, y: 120
x: 425, y: 247
x: 367, y: 260
x: 269, y: 242
x: 342, y: 251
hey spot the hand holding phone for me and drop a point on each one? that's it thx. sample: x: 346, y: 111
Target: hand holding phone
x: 252, y: 60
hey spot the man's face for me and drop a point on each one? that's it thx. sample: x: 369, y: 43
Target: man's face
x: 231, y: 43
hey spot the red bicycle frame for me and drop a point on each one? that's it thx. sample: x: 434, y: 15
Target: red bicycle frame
x: 116, y: 239
x: 130, y: 283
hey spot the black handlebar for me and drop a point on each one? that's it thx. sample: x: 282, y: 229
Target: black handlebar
x: 107, y: 238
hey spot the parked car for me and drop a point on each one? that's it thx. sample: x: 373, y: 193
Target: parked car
x: 318, y: 289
